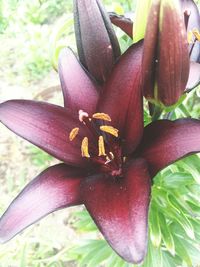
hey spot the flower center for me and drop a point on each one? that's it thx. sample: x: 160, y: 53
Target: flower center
x: 109, y: 156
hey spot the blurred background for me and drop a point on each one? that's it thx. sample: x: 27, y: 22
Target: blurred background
x: 31, y: 35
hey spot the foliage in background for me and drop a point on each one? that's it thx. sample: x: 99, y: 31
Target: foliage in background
x: 175, y: 208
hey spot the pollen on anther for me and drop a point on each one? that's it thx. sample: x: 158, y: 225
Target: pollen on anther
x: 190, y: 37
x: 73, y: 133
x: 84, y: 148
x: 101, y: 146
x: 109, y: 129
x: 196, y: 34
x: 101, y: 116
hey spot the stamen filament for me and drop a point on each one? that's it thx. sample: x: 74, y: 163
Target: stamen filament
x: 109, y: 129
x: 84, y: 148
x: 101, y: 146
x: 73, y: 133
x: 101, y: 116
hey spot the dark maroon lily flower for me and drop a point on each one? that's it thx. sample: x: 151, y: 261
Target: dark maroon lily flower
x: 108, y: 163
x: 192, y: 24
x: 109, y: 160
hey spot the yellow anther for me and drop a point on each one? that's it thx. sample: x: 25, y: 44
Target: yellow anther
x: 84, y: 148
x: 109, y: 129
x: 196, y: 34
x: 101, y: 116
x: 190, y: 37
x: 73, y: 133
x: 101, y: 146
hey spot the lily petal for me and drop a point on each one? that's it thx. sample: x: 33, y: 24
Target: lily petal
x: 165, y: 142
x: 122, y: 98
x: 46, y: 126
x: 79, y: 90
x: 119, y: 206
x: 194, y: 76
x: 173, y: 65
x: 165, y: 71
x: 55, y: 188
x: 97, y: 44
x: 125, y: 24
x: 193, y: 22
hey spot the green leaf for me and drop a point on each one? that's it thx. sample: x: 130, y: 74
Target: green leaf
x: 175, y: 212
x: 156, y: 257
x: 182, y: 251
x: 166, y: 235
x: 100, y: 256
x: 154, y: 225
x: 170, y: 261
x: 83, y: 222
x: 175, y: 180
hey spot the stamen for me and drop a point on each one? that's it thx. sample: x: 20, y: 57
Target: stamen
x: 101, y: 146
x: 101, y: 116
x: 109, y: 129
x: 112, y: 155
x: 190, y: 37
x: 73, y: 133
x: 84, y: 148
x: 82, y: 115
x: 107, y: 160
x: 196, y: 34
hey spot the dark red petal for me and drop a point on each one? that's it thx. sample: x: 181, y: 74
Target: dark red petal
x: 125, y: 24
x: 193, y: 22
x: 110, y: 30
x: 165, y: 59
x: 165, y: 141
x: 122, y: 97
x: 46, y: 126
x: 55, y: 188
x: 150, y: 52
x: 194, y: 76
x: 173, y: 62
x: 119, y: 206
x: 79, y: 91
x: 97, y: 44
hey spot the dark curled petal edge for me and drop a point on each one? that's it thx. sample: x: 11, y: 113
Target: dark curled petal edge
x: 110, y: 30
x: 125, y: 24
